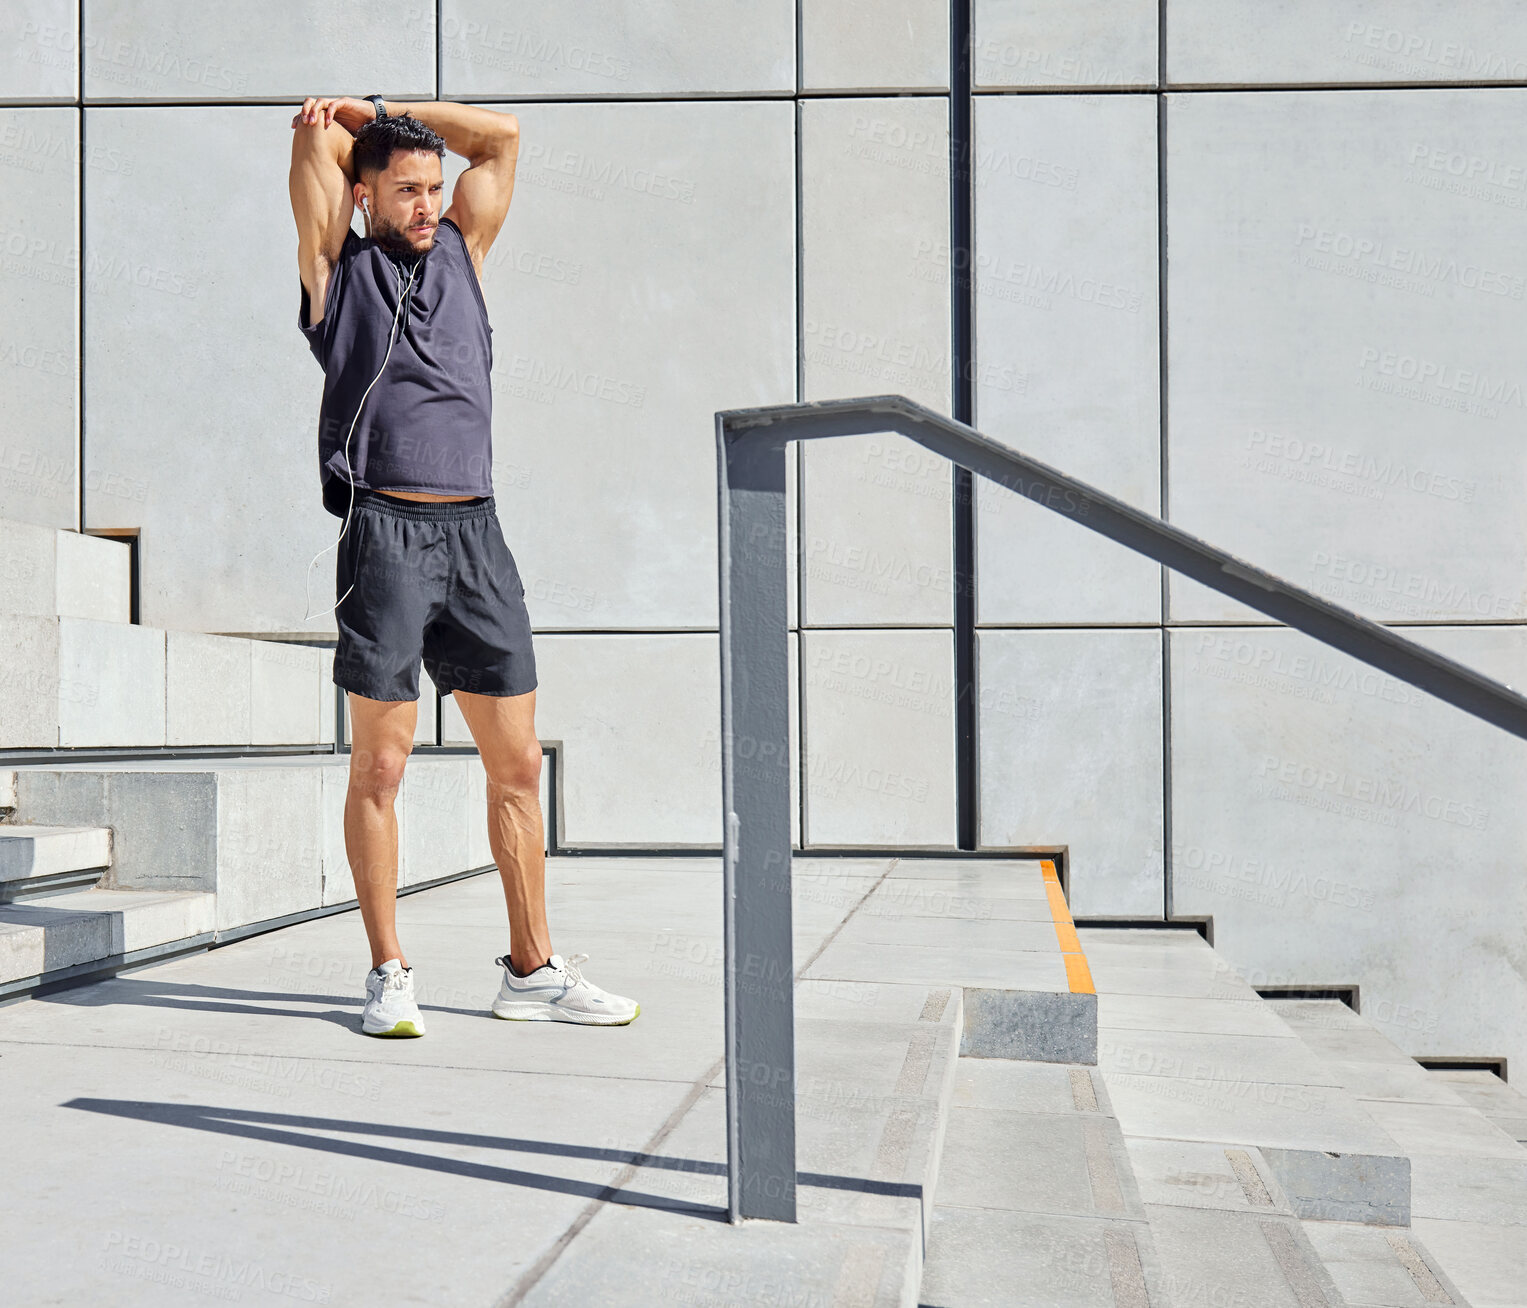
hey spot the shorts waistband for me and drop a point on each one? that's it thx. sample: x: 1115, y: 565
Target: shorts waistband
x: 425, y: 510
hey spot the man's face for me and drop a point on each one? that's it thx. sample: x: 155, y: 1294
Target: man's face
x: 406, y: 201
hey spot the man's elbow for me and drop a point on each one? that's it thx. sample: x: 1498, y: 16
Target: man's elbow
x: 503, y: 142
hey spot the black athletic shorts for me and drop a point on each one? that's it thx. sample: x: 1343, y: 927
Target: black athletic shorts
x: 433, y: 581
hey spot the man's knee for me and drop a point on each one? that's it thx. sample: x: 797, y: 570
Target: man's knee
x: 377, y: 773
x: 518, y: 771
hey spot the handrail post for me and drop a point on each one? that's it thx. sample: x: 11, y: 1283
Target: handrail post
x: 755, y: 783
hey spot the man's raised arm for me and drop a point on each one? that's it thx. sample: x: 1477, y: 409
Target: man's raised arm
x: 321, y: 182
x: 490, y: 141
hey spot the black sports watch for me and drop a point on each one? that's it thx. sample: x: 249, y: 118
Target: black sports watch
x: 379, y: 105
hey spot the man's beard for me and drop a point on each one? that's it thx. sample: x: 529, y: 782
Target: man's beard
x: 395, y: 242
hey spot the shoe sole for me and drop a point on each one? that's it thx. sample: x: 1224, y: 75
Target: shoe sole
x: 563, y: 1015
x: 403, y: 1028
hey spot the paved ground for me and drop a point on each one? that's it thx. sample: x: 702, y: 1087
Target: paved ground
x: 216, y: 1128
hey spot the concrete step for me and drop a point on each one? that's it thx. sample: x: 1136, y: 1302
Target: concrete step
x: 1226, y: 1232
x: 874, y: 1076
x: 74, y: 682
x: 57, y: 936
x: 1037, y: 1203
x: 1501, y: 1103
x: 49, y: 572
x: 997, y: 928
x: 1468, y: 1176
x: 261, y: 837
x: 1191, y: 1053
x: 38, y: 860
x: 883, y: 1011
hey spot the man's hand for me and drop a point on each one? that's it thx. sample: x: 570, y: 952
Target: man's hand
x: 348, y: 112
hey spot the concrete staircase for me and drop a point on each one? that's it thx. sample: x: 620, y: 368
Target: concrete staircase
x: 1502, y: 1104
x: 106, y: 864
x: 1226, y: 1149
x: 79, y: 674
x: 1468, y: 1176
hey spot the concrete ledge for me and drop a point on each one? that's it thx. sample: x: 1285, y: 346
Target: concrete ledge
x: 1030, y: 1024
x: 31, y: 852
x: 52, y: 572
x: 46, y: 937
x: 1369, y: 1188
x: 82, y: 683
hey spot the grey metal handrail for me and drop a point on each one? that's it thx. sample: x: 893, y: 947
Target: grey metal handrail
x: 756, y: 849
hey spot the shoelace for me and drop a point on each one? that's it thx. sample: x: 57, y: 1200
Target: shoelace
x: 570, y: 973
x: 395, y: 980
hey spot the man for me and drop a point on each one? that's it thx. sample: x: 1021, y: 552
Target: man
x: 398, y: 321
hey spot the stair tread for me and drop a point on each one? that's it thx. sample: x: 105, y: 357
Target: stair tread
x: 1249, y: 1083
x: 1422, y: 1111
x: 1468, y: 1176
x: 1036, y: 1194
x: 36, y: 854
x: 79, y: 927
x: 38, y: 831
x: 98, y: 900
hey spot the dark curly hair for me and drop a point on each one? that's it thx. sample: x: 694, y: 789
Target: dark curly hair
x: 377, y: 140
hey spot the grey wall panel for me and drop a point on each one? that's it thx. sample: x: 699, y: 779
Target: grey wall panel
x: 1067, y: 358
x: 39, y: 316
x: 896, y: 45
x: 879, y: 737
x: 202, y: 394
x: 590, y: 48
x: 1064, y: 45
x: 639, y: 719
x: 626, y: 312
x: 1344, y: 829
x: 876, y: 511
x: 604, y: 453
x: 39, y: 50
x: 182, y: 50
x: 1345, y: 320
x: 1421, y: 41
x: 1071, y: 754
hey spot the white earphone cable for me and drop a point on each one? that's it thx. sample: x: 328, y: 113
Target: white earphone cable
x: 349, y: 471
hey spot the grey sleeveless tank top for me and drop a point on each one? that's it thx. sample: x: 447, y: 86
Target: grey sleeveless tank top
x: 426, y: 424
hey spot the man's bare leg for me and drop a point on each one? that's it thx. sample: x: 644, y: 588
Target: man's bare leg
x: 503, y: 727
x: 381, y: 739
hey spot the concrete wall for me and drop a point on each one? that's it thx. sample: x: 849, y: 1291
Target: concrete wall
x: 1260, y: 276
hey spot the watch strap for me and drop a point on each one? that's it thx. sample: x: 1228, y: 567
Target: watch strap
x: 379, y: 105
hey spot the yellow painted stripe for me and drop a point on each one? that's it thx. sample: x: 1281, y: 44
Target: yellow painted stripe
x: 1078, y: 974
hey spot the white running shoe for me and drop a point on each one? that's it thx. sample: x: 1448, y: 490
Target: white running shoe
x: 390, y: 1008
x: 558, y: 992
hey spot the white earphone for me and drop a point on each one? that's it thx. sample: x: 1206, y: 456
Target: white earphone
x: 403, y: 294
